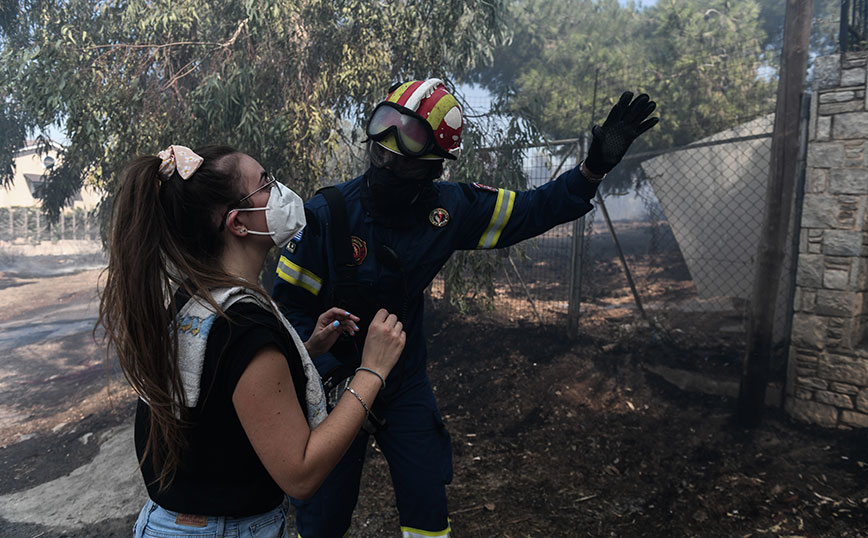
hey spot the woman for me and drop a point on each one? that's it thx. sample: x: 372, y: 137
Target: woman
x: 231, y: 413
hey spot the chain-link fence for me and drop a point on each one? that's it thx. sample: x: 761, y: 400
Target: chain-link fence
x: 29, y: 225
x: 683, y: 224
x: 675, y: 230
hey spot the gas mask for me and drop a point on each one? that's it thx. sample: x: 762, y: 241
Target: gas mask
x: 396, y: 181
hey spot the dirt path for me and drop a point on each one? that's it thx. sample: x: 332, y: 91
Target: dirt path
x: 550, y: 437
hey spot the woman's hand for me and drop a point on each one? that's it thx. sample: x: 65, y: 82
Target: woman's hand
x: 384, y: 343
x: 329, y: 326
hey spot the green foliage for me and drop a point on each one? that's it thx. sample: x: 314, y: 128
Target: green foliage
x: 825, y: 26
x: 275, y: 78
x: 708, y: 54
x: 469, y: 275
x: 570, y: 60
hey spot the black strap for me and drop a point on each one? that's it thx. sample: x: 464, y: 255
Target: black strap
x: 342, y: 244
x: 347, y: 286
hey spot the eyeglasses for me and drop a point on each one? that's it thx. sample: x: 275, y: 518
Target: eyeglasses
x: 413, y: 134
x: 270, y: 182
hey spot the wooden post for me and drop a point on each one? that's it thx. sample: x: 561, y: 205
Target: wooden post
x: 779, y: 198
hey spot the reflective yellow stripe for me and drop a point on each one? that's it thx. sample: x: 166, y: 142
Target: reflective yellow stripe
x: 298, y: 276
x: 502, y: 212
x: 410, y: 532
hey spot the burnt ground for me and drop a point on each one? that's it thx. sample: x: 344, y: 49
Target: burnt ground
x: 560, y: 438
x: 551, y: 436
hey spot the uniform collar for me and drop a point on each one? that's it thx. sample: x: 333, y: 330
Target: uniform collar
x: 415, y: 213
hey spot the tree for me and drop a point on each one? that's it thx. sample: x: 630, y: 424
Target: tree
x: 706, y: 56
x: 699, y: 59
x: 469, y: 275
x: 276, y: 78
x: 824, y: 27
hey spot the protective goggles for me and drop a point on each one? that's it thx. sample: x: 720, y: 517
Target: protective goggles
x: 413, y: 134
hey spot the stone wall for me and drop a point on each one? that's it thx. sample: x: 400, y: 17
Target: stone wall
x: 827, y: 378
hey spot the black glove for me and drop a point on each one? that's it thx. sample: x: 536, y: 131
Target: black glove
x: 624, y: 124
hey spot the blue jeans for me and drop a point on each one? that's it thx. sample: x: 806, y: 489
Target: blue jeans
x: 156, y: 522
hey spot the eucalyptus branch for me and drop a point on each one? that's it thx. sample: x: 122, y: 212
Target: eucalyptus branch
x: 183, y: 72
x: 224, y: 44
x: 151, y: 45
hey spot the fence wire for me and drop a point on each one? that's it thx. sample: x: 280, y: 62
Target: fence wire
x: 688, y: 222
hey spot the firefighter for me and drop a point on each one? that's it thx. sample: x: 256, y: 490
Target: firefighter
x: 378, y: 241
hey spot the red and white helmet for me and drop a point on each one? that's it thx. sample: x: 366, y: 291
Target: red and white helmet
x: 419, y: 119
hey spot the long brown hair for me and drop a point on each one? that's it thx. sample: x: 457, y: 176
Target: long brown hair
x: 164, y: 235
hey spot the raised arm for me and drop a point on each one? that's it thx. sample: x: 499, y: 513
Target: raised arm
x: 501, y: 217
x: 265, y: 400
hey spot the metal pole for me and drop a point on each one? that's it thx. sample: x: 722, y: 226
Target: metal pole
x: 526, y: 291
x: 844, y: 29
x: 561, y: 165
x: 621, y: 255
x: 575, y: 301
x: 574, y: 307
x: 577, y: 252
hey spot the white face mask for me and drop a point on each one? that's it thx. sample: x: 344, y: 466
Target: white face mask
x: 284, y: 214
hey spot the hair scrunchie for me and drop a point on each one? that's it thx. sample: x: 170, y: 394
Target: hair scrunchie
x: 181, y: 159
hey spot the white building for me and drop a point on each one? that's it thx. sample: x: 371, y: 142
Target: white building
x: 30, y: 169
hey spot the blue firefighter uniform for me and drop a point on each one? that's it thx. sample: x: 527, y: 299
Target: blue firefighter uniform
x: 415, y: 441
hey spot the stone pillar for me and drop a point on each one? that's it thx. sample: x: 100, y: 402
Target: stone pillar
x: 827, y: 377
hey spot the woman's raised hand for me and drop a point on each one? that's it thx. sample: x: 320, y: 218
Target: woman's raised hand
x: 384, y: 343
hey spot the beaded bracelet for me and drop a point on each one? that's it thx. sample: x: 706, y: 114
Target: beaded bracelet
x: 359, y: 398
x: 365, y: 368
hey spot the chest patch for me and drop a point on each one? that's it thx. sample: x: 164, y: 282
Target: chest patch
x: 484, y: 187
x: 439, y: 217
x: 360, y: 249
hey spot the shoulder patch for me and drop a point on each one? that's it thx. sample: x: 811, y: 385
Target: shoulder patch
x: 292, y: 246
x: 482, y: 187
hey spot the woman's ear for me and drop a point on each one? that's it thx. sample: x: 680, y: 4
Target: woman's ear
x: 234, y: 224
